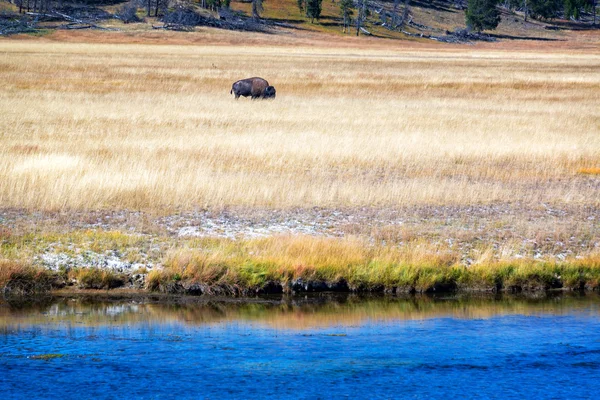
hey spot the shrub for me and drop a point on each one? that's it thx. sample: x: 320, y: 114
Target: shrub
x: 182, y: 16
x: 482, y: 15
x: 128, y: 13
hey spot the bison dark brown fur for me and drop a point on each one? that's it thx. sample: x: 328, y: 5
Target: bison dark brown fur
x: 255, y: 87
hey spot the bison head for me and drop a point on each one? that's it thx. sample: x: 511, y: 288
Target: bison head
x: 270, y: 92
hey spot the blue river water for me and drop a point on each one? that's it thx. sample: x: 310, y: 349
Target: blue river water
x: 73, y: 349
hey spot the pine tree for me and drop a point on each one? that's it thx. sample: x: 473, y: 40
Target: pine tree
x: 346, y: 11
x: 574, y: 8
x: 302, y: 7
x: 361, y: 5
x: 313, y: 9
x: 546, y: 9
x: 482, y: 14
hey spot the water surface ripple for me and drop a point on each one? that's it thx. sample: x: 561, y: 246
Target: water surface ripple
x: 71, y: 348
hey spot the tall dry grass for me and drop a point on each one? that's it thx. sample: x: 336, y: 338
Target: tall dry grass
x: 154, y: 127
x: 248, y: 265
x: 20, y: 278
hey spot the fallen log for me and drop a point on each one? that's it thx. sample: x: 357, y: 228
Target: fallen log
x: 55, y: 15
x: 71, y: 26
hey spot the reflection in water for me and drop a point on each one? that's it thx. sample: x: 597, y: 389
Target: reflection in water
x: 341, y: 347
x: 288, y: 313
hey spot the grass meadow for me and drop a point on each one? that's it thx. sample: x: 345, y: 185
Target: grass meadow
x: 92, y: 127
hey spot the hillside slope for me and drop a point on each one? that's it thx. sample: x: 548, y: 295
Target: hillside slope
x: 425, y: 20
x: 426, y: 17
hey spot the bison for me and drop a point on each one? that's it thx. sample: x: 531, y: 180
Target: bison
x: 255, y: 87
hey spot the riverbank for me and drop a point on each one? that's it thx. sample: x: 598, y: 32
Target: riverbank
x: 153, y: 178
x: 244, y: 252
x: 250, y: 279
x: 100, y: 260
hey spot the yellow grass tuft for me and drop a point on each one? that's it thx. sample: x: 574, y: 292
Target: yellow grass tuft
x: 589, y: 171
x: 9, y: 269
x: 96, y: 278
x: 20, y: 278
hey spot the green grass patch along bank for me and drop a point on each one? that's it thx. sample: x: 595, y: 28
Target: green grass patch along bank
x: 286, y: 264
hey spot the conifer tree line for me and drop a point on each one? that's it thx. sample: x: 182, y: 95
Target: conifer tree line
x: 37, y: 5
x: 485, y: 15
x: 152, y: 8
x: 480, y: 15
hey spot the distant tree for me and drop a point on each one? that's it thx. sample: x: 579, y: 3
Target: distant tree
x: 361, y: 6
x: 402, y: 21
x: 156, y: 6
x: 545, y: 9
x: 346, y: 11
x: 128, y: 12
x: 257, y: 8
x: 20, y: 4
x: 313, y: 8
x: 396, y: 18
x: 36, y: 5
x: 482, y: 15
x: 574, y: 8
x: 213, y: 4
x: 571, y: 9
x: 161, y: 7
x: 303, y: 7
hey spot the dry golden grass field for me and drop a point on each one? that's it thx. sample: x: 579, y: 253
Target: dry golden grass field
x: 93, y: 126
x: 463, y: 155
